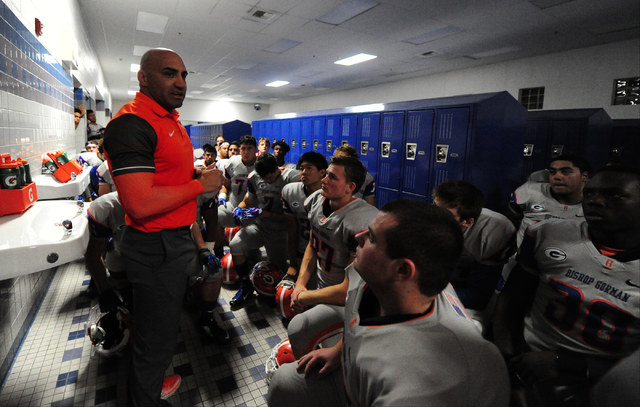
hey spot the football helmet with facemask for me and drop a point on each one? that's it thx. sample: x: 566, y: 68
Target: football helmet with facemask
x: 280, y: 354
x: 109, y: 332
x: 284, y: 289
x: 229, y: 274
x: 265, y: 276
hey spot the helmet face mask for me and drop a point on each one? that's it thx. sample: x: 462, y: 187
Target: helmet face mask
x: 109, y: 332
x: 280, y: 354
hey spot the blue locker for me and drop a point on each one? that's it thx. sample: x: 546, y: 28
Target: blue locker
x: 276, y: 130
x: 450, y: 140
x: 391, y: 148
x: 318, y: 134
x: 625, y: 141
x: 256, y: 129
x: 420, y: 143
x: 418, y: 139
x: 306, y: 137
x: 267, y: 130
x: 348, y: 130
x: 408, y: 195
x: 367, y: 141
x: 285, y: 131
x: 296, y: 133
x: 584, y: 132
x: 332, y: 136
x: 384, y: 195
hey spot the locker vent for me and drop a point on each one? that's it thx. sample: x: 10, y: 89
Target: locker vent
x: 262, y: 16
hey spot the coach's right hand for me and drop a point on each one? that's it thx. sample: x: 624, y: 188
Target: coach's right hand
x: 211, y: 179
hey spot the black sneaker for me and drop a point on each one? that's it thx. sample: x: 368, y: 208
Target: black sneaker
x: 217, y: 333
x: 241, y: 296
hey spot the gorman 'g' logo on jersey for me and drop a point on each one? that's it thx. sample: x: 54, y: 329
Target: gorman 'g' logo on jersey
x: 537, y: 208
x: 555, y: 254
x: 295, y: 204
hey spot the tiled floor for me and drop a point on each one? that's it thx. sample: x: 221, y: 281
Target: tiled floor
x: 54, y: 366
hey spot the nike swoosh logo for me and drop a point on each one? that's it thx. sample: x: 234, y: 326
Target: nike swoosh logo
x: 171, y: 134
x: 579, y: 216
x: 632, y: 284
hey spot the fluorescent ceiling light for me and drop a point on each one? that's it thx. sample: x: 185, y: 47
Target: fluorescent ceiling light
x: 135, y: 68
x: 277, y: 84
x: 153, y: 23
x: 494, y: 52
x: 285, y: 115
x: 131, y: 92
x: 356, y: 59
x: 281, y: 46
x: 374, y: 107
x: 139, y: 50
x: 226, y: 99
x: 346, y: 11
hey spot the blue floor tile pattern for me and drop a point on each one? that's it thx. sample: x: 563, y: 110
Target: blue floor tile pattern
x: 67, y: 374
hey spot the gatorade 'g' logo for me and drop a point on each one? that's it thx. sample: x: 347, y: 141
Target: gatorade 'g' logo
x: 11, y: 182
x: 537, y: 208
x: 555, y: 254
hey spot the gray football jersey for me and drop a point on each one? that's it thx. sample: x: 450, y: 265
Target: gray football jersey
x: 293, y: 197
x: 491, y: 238
x: 269, y: 196
x: 385, y: 359
x: 237, y: 173
x: 333, y: 236
x: 538, y: 204
x: 585, y: 302
x: 107, y: 216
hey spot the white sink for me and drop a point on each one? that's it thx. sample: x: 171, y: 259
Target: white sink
x: 50, y: 188
x: 36, y: 239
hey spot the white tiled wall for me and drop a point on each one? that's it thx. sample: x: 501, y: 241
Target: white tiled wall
x: 35, y: 120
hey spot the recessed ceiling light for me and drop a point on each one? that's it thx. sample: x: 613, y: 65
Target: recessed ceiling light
x: 281, y: 46
x: 346, y: 11
x: 139, y: 50
x: 135, y: 67
x: 277, y: 84
x: 356, y: 59
x: 153, y: 23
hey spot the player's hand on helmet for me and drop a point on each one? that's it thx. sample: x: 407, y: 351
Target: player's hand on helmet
x: 325, y: 360
x: 222, y: 202
x: 110, y: 300
x: 296, y: 303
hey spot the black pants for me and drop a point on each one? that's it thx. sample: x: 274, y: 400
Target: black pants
x: 157, y: 265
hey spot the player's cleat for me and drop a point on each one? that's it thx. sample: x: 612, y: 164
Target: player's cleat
x: 216, y: 332
x: 170, y: 386
x: 245, y: 291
